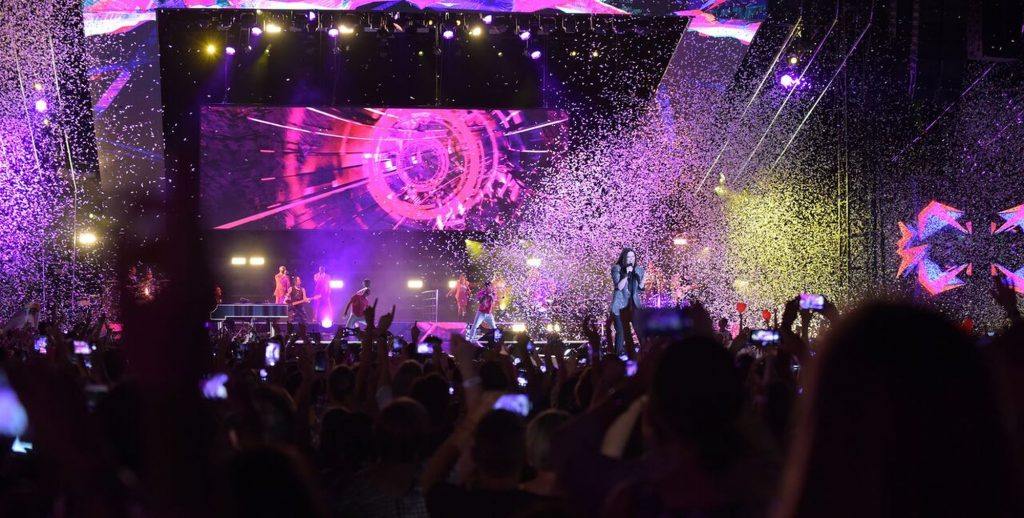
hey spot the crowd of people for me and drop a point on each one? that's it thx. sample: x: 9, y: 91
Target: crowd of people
x: 892, y: 411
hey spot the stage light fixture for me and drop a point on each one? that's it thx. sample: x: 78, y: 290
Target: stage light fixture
x: 680, y: 241
x: 211, y: 49
x: 87, y: 238
x: 573, y: 53
x: 38, y: 87
x: 41, y: 106
x: 257, y: 261
x: 229, y: 51
x: 256, y: 31
x: 476, y: 31
x: 414, y: 284
x: 595, y: 54
x: 420, y: 53
x: 448, y: 34
x: 794, y: 60
x: 518, y: 327
x: 535, y: 55
x: 452, y: 284
x: 311, y: 16
x: 336, y: 284
x: 326, y: 323
x: 346, y: 29
x: 533, y: 262
x: 524, y: 35
x: 273, y: 28
x: 238, y: 261
x: 332, y: 32
x: 487, y: 19
x: 788, y: 81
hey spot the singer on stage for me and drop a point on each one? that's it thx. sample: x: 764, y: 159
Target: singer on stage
x: 628, y: 285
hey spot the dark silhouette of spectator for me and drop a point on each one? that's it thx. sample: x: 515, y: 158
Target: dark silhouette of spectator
x: 498, y: 453
x: 388, y: 487
x: 901, y: 420
x: 539, y: 434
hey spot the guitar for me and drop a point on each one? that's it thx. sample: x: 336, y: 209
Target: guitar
x: 305, y: 300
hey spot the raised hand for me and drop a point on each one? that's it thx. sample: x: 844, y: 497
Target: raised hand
x: 385, y: 321
x: 370, y: 315
x: 1005, y: 296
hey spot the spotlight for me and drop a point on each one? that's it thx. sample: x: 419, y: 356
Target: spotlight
x: 419, y: 53
x: 229, y: 51
x: 448, y: 34
x: 595, y: 54
x: 524, y: 35
x: 414, y: 284
x: 273, y: 28
x: 788, y: 81
x: 257, y: 261
x: 573, y: 53
x: 38, y: 86
x: 255, y: 31
x: 452, y: 284
x: 476, y: 31
x: 533, y: 262
x: 41, y: 106
x: 680, y: 241
x: 488, y: 19
x: 336, y: 284
x: 346, y: 29
x: 794, y: 60
x: 326, y: 323
x: 237, y: 261
x: 312, y: 16
x: 534, y: 55
x: 211, y: 49
x: 332, y: 32
x: 519, y: 327
x: 87, y: 238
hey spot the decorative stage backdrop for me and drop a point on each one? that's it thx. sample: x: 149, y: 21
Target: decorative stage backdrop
x: 271, y: 168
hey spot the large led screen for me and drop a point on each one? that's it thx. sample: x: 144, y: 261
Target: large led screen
x: 284, y: 168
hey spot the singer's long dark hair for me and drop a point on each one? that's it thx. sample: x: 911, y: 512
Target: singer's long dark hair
x: 622, y: 257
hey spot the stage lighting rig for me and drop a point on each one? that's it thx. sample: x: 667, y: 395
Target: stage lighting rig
x: 548, y: 25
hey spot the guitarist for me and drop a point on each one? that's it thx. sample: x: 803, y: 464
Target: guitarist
x: 297, y: 301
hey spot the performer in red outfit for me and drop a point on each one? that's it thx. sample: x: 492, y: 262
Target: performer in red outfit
x: 461, y: 294
x: 483, y: 312
x: 358, y: 303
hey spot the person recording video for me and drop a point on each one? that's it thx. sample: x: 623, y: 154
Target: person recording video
x: 628, y: 283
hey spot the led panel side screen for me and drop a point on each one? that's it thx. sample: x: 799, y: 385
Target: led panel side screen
x: 288, y: 168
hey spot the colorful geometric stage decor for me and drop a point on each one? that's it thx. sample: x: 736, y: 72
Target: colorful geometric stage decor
x: 937, y: 223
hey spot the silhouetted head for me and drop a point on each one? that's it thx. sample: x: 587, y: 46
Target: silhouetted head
x: 901, y: 420
x: 539, y: 433
x: 499, y: 445
x: 695, y: 398
x: 400, y: 431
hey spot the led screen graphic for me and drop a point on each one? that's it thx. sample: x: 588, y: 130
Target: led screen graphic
x: 277, y: 168
x: 943, y: 247
x: 718, y: 18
